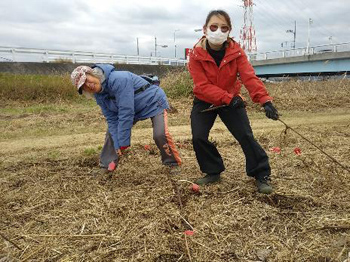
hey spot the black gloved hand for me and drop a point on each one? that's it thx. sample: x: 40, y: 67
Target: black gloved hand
x: 270, y: 111
x: 237, y: 102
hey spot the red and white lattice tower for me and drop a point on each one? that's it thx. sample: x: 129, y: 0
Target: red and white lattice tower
x: 247, y: 34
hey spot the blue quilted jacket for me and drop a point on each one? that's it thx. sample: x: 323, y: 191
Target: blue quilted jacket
x: 122, y: 107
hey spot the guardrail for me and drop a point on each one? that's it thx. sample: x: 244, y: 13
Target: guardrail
x: 342, y: 47
x: 21, y: 54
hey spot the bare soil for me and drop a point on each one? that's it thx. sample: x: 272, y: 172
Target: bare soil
x: 57, y: 205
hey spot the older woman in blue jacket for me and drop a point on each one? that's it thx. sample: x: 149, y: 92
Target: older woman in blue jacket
x: 126, y: 98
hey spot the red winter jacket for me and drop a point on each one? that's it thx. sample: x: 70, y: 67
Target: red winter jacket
x: 218, y: 85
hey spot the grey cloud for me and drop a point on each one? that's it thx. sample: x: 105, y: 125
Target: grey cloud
x: 81, y: 25
x: 39, y: 11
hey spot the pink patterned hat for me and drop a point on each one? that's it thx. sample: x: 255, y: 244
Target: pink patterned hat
x: 78, y: 76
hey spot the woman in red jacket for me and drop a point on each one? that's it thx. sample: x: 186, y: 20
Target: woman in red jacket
x: 215, y: 62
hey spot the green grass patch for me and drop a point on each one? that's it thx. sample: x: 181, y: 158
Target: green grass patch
x: 90, y: 151
x: 178, y: 84
x: 54, y: 154
x: 36, y: 87
x: 294, y: 94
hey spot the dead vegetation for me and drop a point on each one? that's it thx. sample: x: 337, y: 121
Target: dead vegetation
x: 57, y: 205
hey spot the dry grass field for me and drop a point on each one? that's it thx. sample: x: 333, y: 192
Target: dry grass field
x: 57, y: 205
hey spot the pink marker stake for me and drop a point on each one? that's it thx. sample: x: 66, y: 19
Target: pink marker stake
x: 112, y: 166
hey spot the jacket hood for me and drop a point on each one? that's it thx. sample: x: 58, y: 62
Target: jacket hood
x: 106, y: 68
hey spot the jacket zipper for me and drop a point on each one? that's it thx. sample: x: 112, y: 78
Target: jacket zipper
x: 231, y: 59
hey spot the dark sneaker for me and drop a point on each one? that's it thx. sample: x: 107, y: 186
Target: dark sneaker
x: 208, y: 179
x: 263, y: 185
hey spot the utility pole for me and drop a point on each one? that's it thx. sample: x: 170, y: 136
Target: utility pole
x: 308, y: 35
x: 175, y: 40
x: 294, y: 32
x: 284, y: 44
x: 155, y: 46
x: 137, y: 44
x: 331, y: 39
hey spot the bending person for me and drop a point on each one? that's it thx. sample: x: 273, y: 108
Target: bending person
x: 126, y: 98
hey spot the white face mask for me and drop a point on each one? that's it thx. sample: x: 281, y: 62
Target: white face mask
x: 217, y: 37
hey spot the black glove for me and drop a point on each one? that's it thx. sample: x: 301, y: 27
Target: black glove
x: 237, y: 102
x: 270, y: 110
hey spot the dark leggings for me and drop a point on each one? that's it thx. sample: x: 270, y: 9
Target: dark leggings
x: 169, y: 153
x: 237, y: 122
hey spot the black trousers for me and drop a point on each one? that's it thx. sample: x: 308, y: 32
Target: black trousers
x: 237, y: 122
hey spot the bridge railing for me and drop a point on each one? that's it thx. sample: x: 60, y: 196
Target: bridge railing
x: 20, y: 54
x: 342, y: 47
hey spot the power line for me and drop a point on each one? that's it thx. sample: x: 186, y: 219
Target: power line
x: 270, y: 8
x: 281, y: 25
x: 282, y: 20
x: 309, y: 13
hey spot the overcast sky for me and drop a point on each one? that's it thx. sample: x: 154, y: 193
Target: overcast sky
x: 113, y: 26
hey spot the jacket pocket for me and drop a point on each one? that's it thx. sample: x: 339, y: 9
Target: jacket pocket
x: 211, y: 71
x: 232, y: 67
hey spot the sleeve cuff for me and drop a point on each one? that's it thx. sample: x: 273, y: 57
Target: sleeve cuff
x: 265, y: 99
x: 227, y: 99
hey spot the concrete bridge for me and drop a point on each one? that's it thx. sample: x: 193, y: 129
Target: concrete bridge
x: 328, y: 63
